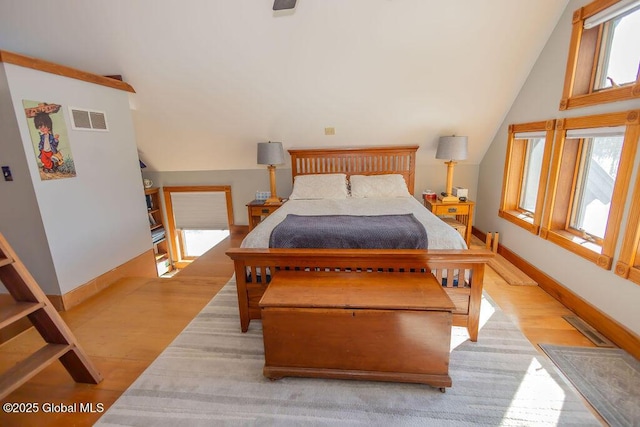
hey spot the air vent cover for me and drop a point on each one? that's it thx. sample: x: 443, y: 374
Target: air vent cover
x: 82, y: 119
x: 284, y: 4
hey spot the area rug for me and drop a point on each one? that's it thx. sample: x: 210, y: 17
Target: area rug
x: 212, y: 375
x: 609, y: 378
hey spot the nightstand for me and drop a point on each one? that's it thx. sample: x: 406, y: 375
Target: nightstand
x: 463, y: 212
x: 259, y: 210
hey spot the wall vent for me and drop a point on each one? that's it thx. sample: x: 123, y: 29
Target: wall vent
x: 83, y: 119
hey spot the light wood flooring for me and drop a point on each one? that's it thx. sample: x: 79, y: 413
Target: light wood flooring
x: 124, y: 328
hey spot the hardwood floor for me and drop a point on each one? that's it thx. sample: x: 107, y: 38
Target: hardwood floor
x: 124, y: 328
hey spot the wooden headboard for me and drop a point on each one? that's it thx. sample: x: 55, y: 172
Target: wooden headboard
x: 357, y: 161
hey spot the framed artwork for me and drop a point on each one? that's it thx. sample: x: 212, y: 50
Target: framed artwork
x: 50, y: 140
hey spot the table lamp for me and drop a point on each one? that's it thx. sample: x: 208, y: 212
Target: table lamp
x: 271, y: 153
x: 451, y: 148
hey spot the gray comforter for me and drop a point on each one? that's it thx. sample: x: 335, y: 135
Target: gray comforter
x: 402, y: 231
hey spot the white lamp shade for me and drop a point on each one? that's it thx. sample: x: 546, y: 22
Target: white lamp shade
x: 452, y: 148
x: 270, y: 153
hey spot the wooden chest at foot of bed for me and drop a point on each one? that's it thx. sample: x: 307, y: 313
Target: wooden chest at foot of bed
x: 370, y: 326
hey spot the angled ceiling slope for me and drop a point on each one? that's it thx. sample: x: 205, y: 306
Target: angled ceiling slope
x: 214, y: 77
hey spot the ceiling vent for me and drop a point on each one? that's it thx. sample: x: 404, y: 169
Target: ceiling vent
x: 82, y: 119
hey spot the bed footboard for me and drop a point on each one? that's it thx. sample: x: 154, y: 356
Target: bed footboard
x: 461, y: 273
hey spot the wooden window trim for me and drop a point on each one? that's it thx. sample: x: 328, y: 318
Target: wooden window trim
x: 562, y: 186
x: 513, y: 176
x: 578, y: 73
x: 181, y: 242
x: 174, y: 237
x: 628, y: 265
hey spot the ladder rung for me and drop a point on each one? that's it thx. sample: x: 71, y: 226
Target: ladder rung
x: 32, y: 302
x: 17, y: 311
x: 29, y: 367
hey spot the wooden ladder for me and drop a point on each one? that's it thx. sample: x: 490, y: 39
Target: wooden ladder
x: 31, y: 302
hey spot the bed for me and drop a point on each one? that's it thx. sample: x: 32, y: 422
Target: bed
x: 440, y: 235
x: 459, y: 269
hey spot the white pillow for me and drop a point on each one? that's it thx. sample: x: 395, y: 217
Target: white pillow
x: 322, y: 186
x: 391, y: 185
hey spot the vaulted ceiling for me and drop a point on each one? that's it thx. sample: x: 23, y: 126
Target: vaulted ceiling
x: 214, y: 77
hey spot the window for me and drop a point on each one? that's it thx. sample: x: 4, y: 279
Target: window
x: 604, y: 55
x: 620, y: 51
x: 197, y: 242
x: 199, y: 217
x: 533, y: 153
x: 590, y: 173
x: 597, y: 171
x: 525, y: 175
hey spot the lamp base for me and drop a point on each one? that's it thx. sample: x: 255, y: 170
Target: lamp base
x: 448, y: 199
x: 273, y: 201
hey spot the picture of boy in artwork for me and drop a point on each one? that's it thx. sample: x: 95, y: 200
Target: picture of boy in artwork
x: 52, y: 150
x: 48, y: 145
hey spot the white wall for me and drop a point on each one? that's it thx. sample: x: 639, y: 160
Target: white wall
x: 245, y: 183
x: 539, y: 100
x: 97, y: 220
x: 20, y: 221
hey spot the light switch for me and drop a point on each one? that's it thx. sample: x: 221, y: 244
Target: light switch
x: 6, y: 172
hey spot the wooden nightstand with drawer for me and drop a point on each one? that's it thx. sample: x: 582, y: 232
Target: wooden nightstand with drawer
x: 259, y: 210
x: 462, y: 211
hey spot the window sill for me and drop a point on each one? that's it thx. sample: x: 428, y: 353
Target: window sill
x: 602, y: 97
x: 578, y: 246
x: 520, y: 219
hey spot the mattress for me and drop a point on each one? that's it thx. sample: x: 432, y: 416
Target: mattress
x: 440, y: 234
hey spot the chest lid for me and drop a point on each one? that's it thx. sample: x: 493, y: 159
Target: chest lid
x: 390, y: 291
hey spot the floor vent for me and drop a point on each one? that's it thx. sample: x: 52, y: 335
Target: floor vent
x: 82, y: 119
x: 588, y: 331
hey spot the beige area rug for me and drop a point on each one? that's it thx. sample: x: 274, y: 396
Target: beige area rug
x: 212, y: 375
x: 609, y: 378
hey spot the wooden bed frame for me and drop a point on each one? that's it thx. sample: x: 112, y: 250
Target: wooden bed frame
x: 357, y: 161
x: 460, y: 271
